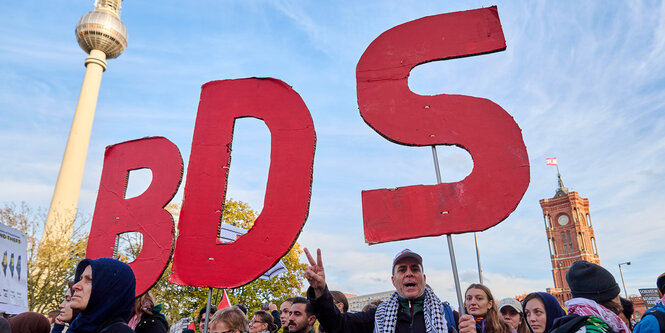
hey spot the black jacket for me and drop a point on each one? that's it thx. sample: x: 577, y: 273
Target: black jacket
x: 115, y: 325
x: 155, y: 323
x: 358, y: 322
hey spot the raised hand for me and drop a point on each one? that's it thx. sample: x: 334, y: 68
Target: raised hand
x: 272, y: 307
x: 314, y: 273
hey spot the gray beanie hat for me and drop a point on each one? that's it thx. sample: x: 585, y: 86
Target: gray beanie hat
x: 590, y: 281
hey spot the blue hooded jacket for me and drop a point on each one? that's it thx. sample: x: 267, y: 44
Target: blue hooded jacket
x: 111, y: 295
x: 649, y: 323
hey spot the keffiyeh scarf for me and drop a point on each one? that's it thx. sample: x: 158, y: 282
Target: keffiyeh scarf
x: 587, y: 307
x: 385, y: 319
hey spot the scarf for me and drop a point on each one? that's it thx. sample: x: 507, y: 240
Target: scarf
x: 661, y: 301
x: 587, y: 307
x: 385, y: 319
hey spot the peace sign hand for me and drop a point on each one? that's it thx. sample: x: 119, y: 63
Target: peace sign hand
x: 314, y: 273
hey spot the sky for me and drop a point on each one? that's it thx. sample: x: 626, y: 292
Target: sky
x: 583, y: 80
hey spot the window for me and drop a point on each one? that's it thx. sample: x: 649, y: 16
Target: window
x: 563, y: 237
x: 570, y: 241
x: 588, y: 220
x: 593, y: 244
x: 552, y: 249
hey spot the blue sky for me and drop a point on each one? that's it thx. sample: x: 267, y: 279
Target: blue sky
x: 584, y: 81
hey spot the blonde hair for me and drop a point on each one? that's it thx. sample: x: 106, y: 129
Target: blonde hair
x: 233, y: 318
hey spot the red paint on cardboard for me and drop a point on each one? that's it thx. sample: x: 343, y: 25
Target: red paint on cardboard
x: 199, y: 259
x: 500, y: 175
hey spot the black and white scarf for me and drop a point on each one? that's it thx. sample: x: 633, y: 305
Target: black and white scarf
x: 385, y: 319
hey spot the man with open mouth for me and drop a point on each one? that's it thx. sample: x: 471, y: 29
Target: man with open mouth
x: 412, y: 308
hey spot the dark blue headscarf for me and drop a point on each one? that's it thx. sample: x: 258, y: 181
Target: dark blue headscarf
x: 552, y: 308
x: 111, y: 296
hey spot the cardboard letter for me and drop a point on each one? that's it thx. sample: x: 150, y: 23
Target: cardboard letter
x: 500, y: 174
x: 202, y: 260
x: 145, y: 213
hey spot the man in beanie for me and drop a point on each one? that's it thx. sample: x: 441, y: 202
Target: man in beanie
x: 104, y: 294
x: 654, y: 319
x: 595, y: 305
x: 413, y: 308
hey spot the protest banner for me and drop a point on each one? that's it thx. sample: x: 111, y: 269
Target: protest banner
x: 649, y: 296
x: 483, y: 199
x: 14, y: 276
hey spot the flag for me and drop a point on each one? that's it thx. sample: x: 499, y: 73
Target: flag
x: 230, y: 233
x: 279, y: 268
x: 224, y: 303
x: 551, y: 161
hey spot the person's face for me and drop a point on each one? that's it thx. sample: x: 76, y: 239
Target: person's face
x: 408, y: 278
x: 256, y: 325
x: 65, y: 308
x: 299, y: 321
x: 284, y: 313
x: 202, y: 322
x: 340, y: 306
x: 510, y: 316
x: 536, y: 316
x: 220, y: 327
x: 82, y: 290
x: 477, y: 303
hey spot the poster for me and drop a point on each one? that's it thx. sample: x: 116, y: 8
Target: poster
x: 14, y: 275
x: 650, y: 296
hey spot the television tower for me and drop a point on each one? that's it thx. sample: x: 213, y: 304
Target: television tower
x: 102, y: 35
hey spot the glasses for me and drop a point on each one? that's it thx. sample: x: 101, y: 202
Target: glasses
x: 254, y: 321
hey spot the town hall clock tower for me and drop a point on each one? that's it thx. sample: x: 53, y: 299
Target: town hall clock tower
x: 569, y: 235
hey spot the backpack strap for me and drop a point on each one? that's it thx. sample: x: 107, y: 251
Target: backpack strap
x: 572, y: 325
x: 450, y: 317
x: 660, y: 316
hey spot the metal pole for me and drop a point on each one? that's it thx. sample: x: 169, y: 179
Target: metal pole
x: 205, y: 326
x: 480, y: 270
x: 451, y: 249
x: 622, y: 281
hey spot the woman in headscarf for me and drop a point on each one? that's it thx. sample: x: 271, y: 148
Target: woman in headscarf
x: 30, y: 322
x: 479, y: 302
x: 540, y: 310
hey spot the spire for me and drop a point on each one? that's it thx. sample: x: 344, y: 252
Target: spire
x: 562, y: 190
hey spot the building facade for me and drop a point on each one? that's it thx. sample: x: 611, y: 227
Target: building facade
x: 569, y: 235
x: 358, y: 302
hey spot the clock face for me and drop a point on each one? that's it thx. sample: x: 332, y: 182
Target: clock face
x: 563, y: 219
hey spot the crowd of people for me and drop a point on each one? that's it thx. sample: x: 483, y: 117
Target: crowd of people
x: 102, y: 299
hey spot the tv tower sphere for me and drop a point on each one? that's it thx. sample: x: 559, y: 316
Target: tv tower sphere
x: 101, y: 29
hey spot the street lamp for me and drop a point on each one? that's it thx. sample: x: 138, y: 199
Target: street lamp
x: 622, y: 281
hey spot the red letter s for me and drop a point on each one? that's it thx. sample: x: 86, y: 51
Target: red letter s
x: 501, y: 167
